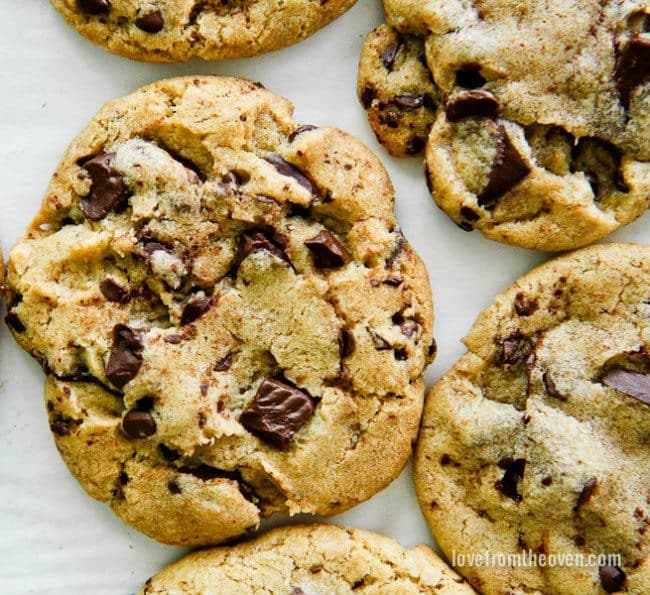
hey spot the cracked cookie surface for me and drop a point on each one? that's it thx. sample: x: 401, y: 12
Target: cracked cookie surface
x: 177, y: 30
x: 231, y: 321
x: 537, y: 439
x: 310, y: 559
x: 534, y: 116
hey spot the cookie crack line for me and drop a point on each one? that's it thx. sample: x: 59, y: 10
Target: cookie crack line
x: 237, y: 298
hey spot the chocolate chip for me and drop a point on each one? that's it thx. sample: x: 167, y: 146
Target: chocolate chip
x: 401, y: 354
x: 471, y: 103
x: 409, y: 102
x: 396, y: 252
x: 108, y: 191
x: 409, y: 327
x: 300, y: 130
x: 551, y: 389
x: 62, y: 426
x: 469, y: 214
x: 378, y: 341
x: 13, y: 322
x: 207, y: 473
x: 195, y: 308
x: 469, y: 76
x: 169, y: 454
x: 587, y: 492
x: 392, y: 280
x: 327, y: 251
x: 347, y: 343
x: 139, y: 424
x: 152, y: 22
x: 416, y: 144
x: 525, y: 306
x: 224, y: 364
x: 174, y: 339
x: 388, y: 55
x: 277, y: 412
x: 547, y: 481
x: 287, y: 169
x: 125, y: 357
x: 151, y: 246
x: 174, y: 488
x: 123, y: 478
x: 612, y: 578
x: 255, y: 241
x: 632, y: 384
x: 114, y: 292
x: 391, y: 117
x: 508, y: 169
x: 632, y: 67
x: 511, y: 478
x: 368, y: 96
x: 94, y: 6
x: 512, y: 353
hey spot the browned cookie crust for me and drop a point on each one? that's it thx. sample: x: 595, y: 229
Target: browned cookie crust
x: 537, y: 439
x: 177, y: 30
x: 310, y: 559
x: 231, y: 321
x: 537, y: 114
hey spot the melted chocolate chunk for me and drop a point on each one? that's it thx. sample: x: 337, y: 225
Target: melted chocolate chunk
x: 277, y: 412
x: 587, y: 492
x: 511, y: 478
x: 206, y: 472
x: 253, y: 241
x: 471, y: 103
x: 224, y: 364
x: 508, y: 169
x: 125, y: 357
x: 139, y: 424
x: 409, y: 102
x: 327, y: 251
x: 512, y: 353
x: 469, y: 76
x: 287, y: 169
x: 114, y: 292
x: 13, y: 322
x: 347, y: 343
x: 195, y: 308
x: 152, y: 22
x: 525, y: 306
x: 632, y: 67
x: 62, y: 426
x: 300, y: 130
x: 632, y: 384
x: 388, y: 55
x: 169, y: 454
x: 108, y: 191
x: 612, y: 578
x: 94, y: 6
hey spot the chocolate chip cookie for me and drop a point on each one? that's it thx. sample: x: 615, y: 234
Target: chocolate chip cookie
x: 177, y: 30
x: 306, y: 559
x: 534, y: 116
x: 231, y: 321
x: 536, y: 441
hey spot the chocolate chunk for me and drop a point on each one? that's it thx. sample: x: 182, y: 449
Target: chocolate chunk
x: 416, y: 144
x: 195, y: 308
x: 511, y: 478
x: 139, y: 424
x: 123, y: 478
x: 471, y: 103
x: 587, y: 492
x: 94, y: 6
x: 632, y: 384
x: 206, y: 472
x: 378, y: 341
x: 152, y: 22
x: 169, y: 454
x: 254, y: 241
x: 547, y: 481
x: 525, y: 306
x: 550, y: 387
x: 368, y: 96
x: 392, y: 280
x: 224, y: 364
x: 277, y: 412
x: 409, y: 102
x: 397, y: 251
x: 327, y: 251
x: 174, y: 339
x: 409, y: 327
x: 125, y: 357
x: 612, y: 578
x: 151, y: 246
x: 469, y: 214
x: 508, y: 169
x: 174, y: 488
x: 401, y: 354
x: 347, y: 343
x: 465, y: 226
x: 114, y: 292
x: 512, y: 353
x: 13, y: 322
x: 287, y: 169
x: 388, y: 55
x: 469, y: 76
x: 300, y: 130
x: 108, y: 191
x: 62, y: 426
x: 632, y: 67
